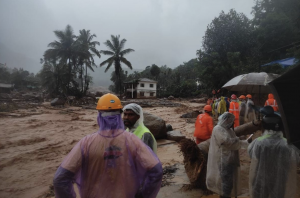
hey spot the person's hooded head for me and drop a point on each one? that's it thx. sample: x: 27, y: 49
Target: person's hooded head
x: 133, y: 115
x: 271, y: 121
x: 226, y: 120
x: 109, y: 115
x: 270, y: 96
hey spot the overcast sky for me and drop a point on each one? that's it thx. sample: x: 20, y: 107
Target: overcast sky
x: 162, y: 32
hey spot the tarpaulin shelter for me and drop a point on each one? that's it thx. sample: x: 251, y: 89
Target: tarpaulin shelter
x: 283, y: 62
x: 287, y: 94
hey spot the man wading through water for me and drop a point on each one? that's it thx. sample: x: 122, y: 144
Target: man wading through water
x: 133, y: 118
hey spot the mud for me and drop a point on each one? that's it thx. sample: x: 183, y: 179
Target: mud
x: 34, y: 143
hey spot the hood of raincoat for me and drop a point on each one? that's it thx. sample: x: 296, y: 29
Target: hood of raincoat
x: 110, y: 125
x: 139, y: 111
x: 226, y: 120
x: 270, y: 96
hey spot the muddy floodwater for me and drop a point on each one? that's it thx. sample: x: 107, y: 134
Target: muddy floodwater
x: 34, y: 142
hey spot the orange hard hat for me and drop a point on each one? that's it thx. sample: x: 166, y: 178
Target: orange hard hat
x: 242, y: 97
x: 233, y: 96
x: 207, y: 108
x: 109, y: 102
x: 249, y: 96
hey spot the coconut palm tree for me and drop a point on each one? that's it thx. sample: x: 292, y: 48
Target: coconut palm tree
x: 116, y: 52
x: 63, y: 49
x: 88, y: 50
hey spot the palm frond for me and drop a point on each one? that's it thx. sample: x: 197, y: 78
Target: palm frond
x: 122, y: 43
x: 106, y: 52
x: 107, y: 61
x: 108, y: 66
x: 126, y: 51
x: 109, y: 45
x: 116, y: 42
x: 126, y: 62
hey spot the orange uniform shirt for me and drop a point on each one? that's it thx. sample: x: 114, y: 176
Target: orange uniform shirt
x: 271, y: 102
x: 234, y: 109
x: 203, y: 127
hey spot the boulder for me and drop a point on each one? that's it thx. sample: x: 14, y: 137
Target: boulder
x: 32, y: 96
x: 169, y: 127
x: 192, y: 114
x: 156, y: 125
x: 171, y: 98
x: 175, y: 135
x: 199, y: 100
x: 57, y: 101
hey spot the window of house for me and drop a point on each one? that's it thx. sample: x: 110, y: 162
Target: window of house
x: 151, y: 85
x: 151, y: 94
x: 141, y: 93
x: 142, y: 85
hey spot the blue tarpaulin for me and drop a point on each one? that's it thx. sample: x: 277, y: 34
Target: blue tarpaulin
x: 284, y: 62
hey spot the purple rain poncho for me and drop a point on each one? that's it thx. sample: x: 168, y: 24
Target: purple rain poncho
x: 109, y: 163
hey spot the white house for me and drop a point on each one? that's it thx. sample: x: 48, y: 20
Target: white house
x: 141, y: 88
x: 146, y: 88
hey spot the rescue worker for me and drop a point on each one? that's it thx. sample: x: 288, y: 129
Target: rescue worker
x: 242, y: 109
x: 204, y: 125
x: 227, y: 103
x: 221, y: 106
x: 133, y: 118
x: 271, y: 102
x: 250, y: 112
x: 273, y: 169
x: 223, y: 165
x: 234, y: 109
x: 109, y: 163
x: 213, y: 108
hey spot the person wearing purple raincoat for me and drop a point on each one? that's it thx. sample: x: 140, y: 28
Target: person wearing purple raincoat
x: 109, y: 163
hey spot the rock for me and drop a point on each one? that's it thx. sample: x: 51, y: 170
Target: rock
x: 57, y: 101
x: 32, y: 96
x: 171, y: 98
x: 98, y: 94
x: 200, y: 100
x: 192, y: 114
x: 5, y: 96
x: 191, y: 120
x: 169, y: 127
x: 175, y: 135
x: 156, y: 125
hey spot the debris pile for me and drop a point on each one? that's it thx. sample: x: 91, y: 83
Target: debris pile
x: 168, y: 172
x: 195, y: 164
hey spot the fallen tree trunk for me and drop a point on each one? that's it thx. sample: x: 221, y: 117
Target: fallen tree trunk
x: 241, y: 130
x: 195, y: 156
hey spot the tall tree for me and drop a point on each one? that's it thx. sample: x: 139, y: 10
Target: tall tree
x: 155, y: 70
x: 227, y: 45
x: 116, y: 52
x: 88, y: 50
x: 277, y: 25
x: 63, y: 50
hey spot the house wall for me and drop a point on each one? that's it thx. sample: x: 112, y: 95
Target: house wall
x: 146, y: 89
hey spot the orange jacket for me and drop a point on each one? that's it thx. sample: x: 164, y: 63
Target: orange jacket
x: 271, y: 102
x: 203, y: 126
x: 234, y: 109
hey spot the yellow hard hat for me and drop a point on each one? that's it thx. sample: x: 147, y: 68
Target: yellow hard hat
x: 109, y: 102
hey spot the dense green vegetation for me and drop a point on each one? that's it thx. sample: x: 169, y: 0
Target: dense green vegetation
x: 233, y: 44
